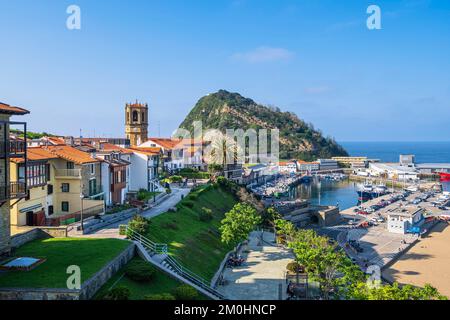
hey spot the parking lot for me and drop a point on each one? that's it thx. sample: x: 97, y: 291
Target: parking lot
x: 364, y: 233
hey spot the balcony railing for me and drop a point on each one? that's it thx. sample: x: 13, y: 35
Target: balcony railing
x: 13, y: 190
x: 14, y: 148
x: 64, y: 173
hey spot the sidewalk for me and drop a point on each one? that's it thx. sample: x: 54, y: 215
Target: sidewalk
x: 262, y: 273
x: 112, y: 231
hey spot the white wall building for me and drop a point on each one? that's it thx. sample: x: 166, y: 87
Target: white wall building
x: 393, y: 171
x: 402, y: 219
x: 287, y: 167
x: 144, y: 169
x: 328, y: 164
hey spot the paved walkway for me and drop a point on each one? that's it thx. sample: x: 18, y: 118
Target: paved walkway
x: 112, y: 231
x: 260, y: 277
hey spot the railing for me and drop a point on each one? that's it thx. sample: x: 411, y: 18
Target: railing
x: 76, y: 173
x: 13, y: 190
x: 159, y: 248
x: 15, y: 148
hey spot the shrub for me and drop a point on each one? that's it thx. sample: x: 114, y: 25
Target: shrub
x: 185, y: 292
x: 193, y: 196
x: 295, y: 267
x: 205, y: 215
x: 140, y: 271
x: 161, y: 296
x: 139, y: 224
x: 176, y: 179
x: 188, y: 204
x: 118, y: 293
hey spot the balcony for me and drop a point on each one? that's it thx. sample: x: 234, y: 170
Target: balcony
x: 14, y: 148
x: 68, y: 173
x: 14, y: 190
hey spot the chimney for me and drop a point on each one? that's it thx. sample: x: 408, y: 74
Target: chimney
x: 69, y: 141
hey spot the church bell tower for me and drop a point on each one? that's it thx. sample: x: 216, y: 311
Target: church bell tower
x: 136, y: 123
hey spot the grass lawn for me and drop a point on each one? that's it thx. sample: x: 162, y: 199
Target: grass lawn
x: 196, y: 244
x: 161, y: 283
x: 89, y: 254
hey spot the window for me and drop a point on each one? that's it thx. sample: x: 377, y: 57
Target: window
x: 50, y: 210
x: 49, y: 189
x: 135, y: 116
x: 92, y: 187
x: 65, y: 187
x: 92, y: 168
x: 70, y: 165
x: 65, y: 206
x: 37, y: 174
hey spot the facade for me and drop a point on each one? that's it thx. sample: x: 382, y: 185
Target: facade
x: 75, y: 177
x: 307, y: 166
x: 116, y: 163
x: 234, y: 172
x: 37, y: 206
x: 402, y: 219
x: 328, y: 164
x: 287, y: 167
x: 392, y: 171
x: 167, y: 146
x: 9, y: 189
x: 136, y: 123
x: 144, y: 169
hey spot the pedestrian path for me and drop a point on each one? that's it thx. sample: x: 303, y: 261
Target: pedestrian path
x: 112, y: 231
x: 262, y: 276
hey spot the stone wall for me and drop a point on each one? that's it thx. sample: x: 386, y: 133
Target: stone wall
x: 4, y: 209
x: 88, y: 289
x: 38, y: 233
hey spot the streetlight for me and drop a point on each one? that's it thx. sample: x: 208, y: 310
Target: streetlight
x: 81, y: 212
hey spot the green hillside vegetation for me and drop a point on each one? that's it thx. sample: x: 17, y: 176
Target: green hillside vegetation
x: 32, y: 135
x: 298, y: 139
x: 192, y: 232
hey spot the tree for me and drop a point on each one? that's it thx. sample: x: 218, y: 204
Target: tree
x: 238, y: 223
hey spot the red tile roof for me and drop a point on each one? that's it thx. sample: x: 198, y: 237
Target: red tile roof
x: 36, y: 154
x: 6, y: 108
x: 112, y: 147
x: 148, y: 151
x: 71, y: 154
x: 166, y: 143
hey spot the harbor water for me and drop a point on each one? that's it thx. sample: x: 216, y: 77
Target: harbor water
x: 331, y: 193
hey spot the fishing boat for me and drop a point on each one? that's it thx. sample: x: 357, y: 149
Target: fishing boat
x: 445, y: 176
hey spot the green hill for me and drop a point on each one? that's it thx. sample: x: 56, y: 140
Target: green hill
x: 298, y: 139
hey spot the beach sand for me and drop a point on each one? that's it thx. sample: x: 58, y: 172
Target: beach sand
x: 427, y: 262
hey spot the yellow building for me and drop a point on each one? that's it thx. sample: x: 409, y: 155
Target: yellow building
x: 63, y: 182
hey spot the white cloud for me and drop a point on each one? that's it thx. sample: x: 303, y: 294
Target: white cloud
x: 264, y: 54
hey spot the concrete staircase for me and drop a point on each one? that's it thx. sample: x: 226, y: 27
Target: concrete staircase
x: 157, y: 254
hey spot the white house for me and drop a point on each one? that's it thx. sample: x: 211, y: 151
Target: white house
x: 144, y: 169
x: 287, y: 167
x: 403, y: 218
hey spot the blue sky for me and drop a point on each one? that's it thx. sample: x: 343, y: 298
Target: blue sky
x: 315, y: 58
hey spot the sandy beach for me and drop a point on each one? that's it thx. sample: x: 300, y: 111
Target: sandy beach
x: 427, y: 262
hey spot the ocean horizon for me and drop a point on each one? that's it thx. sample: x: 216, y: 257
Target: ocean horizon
x: 389, y: 151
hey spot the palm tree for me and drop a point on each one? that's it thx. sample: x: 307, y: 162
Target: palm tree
x: 222, y: 149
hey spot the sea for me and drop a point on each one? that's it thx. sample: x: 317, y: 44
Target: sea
x: 344, y: 193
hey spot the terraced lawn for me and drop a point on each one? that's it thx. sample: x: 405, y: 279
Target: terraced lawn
x: 89, y: 254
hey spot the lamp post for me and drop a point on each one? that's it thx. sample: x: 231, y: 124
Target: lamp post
x: 81, y: 211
